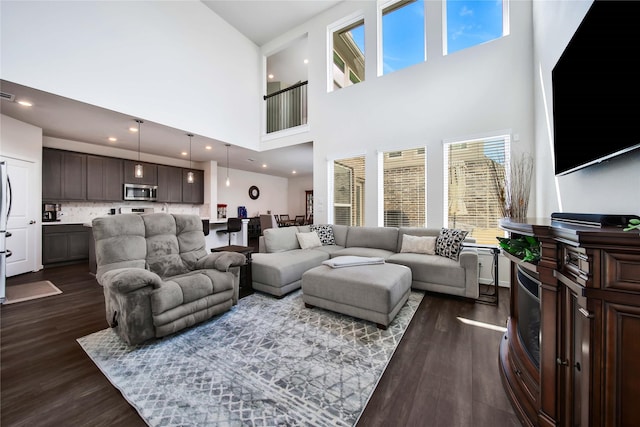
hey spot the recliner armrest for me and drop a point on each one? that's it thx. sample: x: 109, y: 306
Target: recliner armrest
x: 221, y: 261
x: 126, y: 280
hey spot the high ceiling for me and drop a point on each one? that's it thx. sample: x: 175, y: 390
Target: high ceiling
x: 258, y: 20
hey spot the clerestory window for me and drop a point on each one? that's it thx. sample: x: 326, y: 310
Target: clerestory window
x: 348, y: 55
x: 402, y: 34
x: 472, y: 22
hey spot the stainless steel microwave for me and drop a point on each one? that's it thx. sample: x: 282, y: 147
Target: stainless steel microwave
x: 140, y: 192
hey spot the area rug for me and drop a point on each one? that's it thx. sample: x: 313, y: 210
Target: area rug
x: 267, y: 362
x: 29, y: 291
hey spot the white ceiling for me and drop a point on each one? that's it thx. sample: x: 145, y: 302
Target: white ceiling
x: 259, y: 20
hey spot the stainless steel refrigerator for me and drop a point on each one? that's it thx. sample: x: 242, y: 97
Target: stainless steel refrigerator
x: 5, y: 210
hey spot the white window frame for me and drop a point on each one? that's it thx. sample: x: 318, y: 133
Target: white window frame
x: 332, y: 28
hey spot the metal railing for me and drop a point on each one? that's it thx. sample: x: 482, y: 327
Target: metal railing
x: 287, y: 108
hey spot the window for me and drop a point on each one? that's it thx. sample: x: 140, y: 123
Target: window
x: 404, y: 184
x: 403, y: 35
x: 348, y: 55
x: 472, y: 22
x: 474, y: 169
x: 348, y: 191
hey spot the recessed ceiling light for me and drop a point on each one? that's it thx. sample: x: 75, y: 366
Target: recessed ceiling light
x: 184, y: 153
x: 306, y: 61
x: 270, y: 76
x: 264, y: 165
x: 25, y: 103
x: 113, y: 139
x: 208, y: 147
x: 293, y: 172
x: 132, y: 129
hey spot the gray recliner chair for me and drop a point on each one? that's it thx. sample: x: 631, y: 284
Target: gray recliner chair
x: 157, y: 275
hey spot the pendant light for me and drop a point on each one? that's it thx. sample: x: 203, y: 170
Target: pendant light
x: 138, y: 171
x: 190, y: 177
x: 228, y: 182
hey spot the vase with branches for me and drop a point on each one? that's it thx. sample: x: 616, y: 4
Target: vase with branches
x: 514, y: 188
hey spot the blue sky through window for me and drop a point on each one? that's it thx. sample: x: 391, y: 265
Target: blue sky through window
x: 403, y: 37
x: 471, y: 22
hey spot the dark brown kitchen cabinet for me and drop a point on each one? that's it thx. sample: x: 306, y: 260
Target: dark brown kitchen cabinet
x: 169, y: 184
x: 64, y: 175
x: 104, y: 178
x: 193, y: 193
x: 149, y: 176
x: 64, y: 243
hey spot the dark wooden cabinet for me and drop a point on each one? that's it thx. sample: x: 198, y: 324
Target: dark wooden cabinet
x: 587, y: 371
x: 193, y: 193
x: 149, y: 176
x: 64, y: 175
x: 64, y: 243
x: 104, y: 178
x: 169, y: 184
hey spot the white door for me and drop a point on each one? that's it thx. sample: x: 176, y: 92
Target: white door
x: 22, y: 223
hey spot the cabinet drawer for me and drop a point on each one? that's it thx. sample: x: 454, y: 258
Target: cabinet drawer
x: 528, y: 383
x: 621, y: 271
x: 575, y: 264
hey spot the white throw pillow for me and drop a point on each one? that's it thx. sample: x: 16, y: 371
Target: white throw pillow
x: 419, y: 244
x: 309, y: 240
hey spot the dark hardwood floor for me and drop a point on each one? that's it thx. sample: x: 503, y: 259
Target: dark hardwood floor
x: 444, y: 372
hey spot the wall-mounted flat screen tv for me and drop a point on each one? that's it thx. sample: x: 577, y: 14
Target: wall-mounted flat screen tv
x: 596, y: 88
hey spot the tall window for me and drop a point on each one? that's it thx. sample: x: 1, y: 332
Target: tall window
x: 404, y: 176
x: 403, y: 34
x: 348, y: 191
x: 474, y: 169
x: 472, y: 22
x: 348, y: 55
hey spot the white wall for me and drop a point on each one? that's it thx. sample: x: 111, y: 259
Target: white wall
x: 273, y: 192
x: 612, y: 187
x: 472, y: 92
x: 297, y: 200
x: 170, y: 62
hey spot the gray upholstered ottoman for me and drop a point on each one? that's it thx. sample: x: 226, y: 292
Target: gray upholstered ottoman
x: 370, y: 292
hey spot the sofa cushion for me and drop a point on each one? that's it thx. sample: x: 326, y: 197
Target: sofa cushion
x: 373, y: 237
x: 449, y: 242
x: 163, y: 251
x: 325, y: 232
x: 281, y: 268
x: 340, y: 234
x: 280, y: 239
x: 431, y: 268
x: 308, y: 240
x: 419, y: 244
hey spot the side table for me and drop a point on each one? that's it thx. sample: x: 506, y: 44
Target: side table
x: 246, y: 280
x: 489, y: 297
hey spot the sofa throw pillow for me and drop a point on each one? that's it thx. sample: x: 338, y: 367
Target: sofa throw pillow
x: 309, y: 240
x: 325, y: 232
x: 419, y: 244
x: 449, y: 243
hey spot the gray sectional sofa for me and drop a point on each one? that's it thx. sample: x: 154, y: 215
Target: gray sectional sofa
x: 278, y: 267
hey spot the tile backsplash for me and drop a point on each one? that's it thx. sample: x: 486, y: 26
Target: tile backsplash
x: 84, y: 212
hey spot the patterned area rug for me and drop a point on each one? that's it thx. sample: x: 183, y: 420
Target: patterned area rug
x: 267, y: 362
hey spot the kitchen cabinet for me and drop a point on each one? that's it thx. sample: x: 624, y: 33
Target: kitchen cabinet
x: 64, y: 175
x: 149, y: 176
x: 64, y: 243
x: 104, y: 178
x: 193, y: 193
x: 169, y: 184
x: 586, y: 372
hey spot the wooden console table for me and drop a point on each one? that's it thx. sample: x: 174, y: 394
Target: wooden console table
x: 586, y: 371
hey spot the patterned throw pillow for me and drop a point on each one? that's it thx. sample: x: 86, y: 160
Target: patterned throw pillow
x: 325, y: 232
x: 449, y: 243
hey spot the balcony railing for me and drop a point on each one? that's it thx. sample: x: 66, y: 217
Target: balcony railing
x: 287, y: 108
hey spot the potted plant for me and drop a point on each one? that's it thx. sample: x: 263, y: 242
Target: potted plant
x: 527, y: 248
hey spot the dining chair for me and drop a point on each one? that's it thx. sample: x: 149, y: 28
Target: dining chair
x: 285, y: 221
x: 299, y: 220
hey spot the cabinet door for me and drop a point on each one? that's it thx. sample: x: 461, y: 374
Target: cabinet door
x: 51, y: 174
x: 78, y: 245
x: 54, y: 248
x: 74, y: 176
x: 149, y: 176
x: 622, y: 370
x: 193, y: 193
x: 104, y: 178
x: 169, y: 184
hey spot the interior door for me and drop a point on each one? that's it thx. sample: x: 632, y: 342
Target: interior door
x: 22, y: 222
